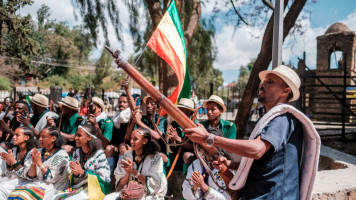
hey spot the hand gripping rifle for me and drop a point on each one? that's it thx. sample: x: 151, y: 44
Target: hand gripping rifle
x: 169, y: 107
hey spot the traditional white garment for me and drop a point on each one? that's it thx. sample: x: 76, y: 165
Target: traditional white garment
x: 9, y: 115
x: 14, y: 177
x: 96, y: 165
x: 102, y: 116
x: 122, y: 117
x: 214, y: 192
x: 43, y: 121
x: 152, y: 169
x: 2, y: 164
x: 56, y: 177
x: 310, y: 154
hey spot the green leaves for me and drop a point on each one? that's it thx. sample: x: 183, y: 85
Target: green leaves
x: 5, y: 84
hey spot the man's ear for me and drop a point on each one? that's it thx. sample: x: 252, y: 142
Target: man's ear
x: 287, y: 90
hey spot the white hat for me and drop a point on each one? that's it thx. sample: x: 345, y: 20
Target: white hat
x: 98, y: 101
x: 215, y: 99
x: 40, y: 100
x: 288, y: 75
x: 70, y: 102
x: 186, y: 104
x: 146, y: 97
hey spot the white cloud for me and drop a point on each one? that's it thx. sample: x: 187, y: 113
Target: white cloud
x: 295, y: 45
x: 350, y: 21
x: 308, y: 43
x: 235, y: 50
x: 60, y: 10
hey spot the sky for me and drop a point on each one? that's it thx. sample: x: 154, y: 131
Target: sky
x: 235, y: 48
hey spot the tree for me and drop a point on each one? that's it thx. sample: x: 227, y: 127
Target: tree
x: 102, y: 70
x: 265, y: 55
x: 60, y: 45
x: 244, y: 75
x: 189, y: 11
x: 42, y: 15
x: 95, y: 13
x: 5, y: 84
x: 15, y: 33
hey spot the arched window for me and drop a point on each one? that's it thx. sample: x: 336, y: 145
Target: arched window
x: 336, y: 60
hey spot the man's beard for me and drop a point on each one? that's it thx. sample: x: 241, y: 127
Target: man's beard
x: 261, y: 99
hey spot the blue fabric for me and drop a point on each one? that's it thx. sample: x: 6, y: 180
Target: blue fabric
x: 277, y: 174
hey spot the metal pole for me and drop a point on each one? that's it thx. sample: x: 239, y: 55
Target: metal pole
x: 277, y: 34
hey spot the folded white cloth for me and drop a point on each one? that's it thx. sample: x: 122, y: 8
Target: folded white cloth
x: 43, y: 121
x: 310, y: 155
x: 122, y: 117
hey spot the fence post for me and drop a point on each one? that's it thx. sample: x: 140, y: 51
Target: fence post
x: 343, y: 112
x: 14, y: 93
x: 103, y: 94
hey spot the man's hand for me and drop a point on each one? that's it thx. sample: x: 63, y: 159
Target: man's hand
x: 172, y: 133
x: 76, y: 168
x: 92, y: 120
x: 4, y: 127
x: 125, y: 84
x: 220, y: 163
x: 197, y: 134
x: 8, y: 157
x: 50, y: 122
x: 68, y: 148
x: 137, y: 116
x: 23, y: 120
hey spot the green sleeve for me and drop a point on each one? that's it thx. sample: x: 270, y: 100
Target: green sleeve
x: 162, y: 126
x: 107, y: 129
x: 231, y: 133
x: 75, y: 128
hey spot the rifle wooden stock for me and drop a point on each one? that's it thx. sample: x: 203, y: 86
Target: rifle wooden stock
x: 164, y: 102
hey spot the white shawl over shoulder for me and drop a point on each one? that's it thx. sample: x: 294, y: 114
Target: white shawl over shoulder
x: 310, y: 156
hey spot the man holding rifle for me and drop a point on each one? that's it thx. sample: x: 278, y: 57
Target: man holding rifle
x: 276, y: 170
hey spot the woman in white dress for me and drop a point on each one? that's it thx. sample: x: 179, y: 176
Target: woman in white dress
x: 17, y: 160
x: 143, y: 164
x: 90, y: 176
x: 49, y: 168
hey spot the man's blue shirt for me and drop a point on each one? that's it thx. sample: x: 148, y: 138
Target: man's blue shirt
x: 276, y: 175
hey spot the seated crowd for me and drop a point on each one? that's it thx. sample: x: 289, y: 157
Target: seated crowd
x: 87, y: 155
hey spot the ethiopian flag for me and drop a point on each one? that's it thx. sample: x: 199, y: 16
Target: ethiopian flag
x: 168, y: 42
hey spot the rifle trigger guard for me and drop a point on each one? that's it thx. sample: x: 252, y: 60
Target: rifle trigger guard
x: 160, y: 99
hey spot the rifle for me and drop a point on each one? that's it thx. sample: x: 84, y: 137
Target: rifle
x: 168, y: 106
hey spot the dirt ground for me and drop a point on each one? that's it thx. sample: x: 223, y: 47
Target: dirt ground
x: 347, y: 145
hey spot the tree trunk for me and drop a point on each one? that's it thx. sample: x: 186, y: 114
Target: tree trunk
x: 263, y: 60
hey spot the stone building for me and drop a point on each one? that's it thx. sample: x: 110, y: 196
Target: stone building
x: 323, y: 89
